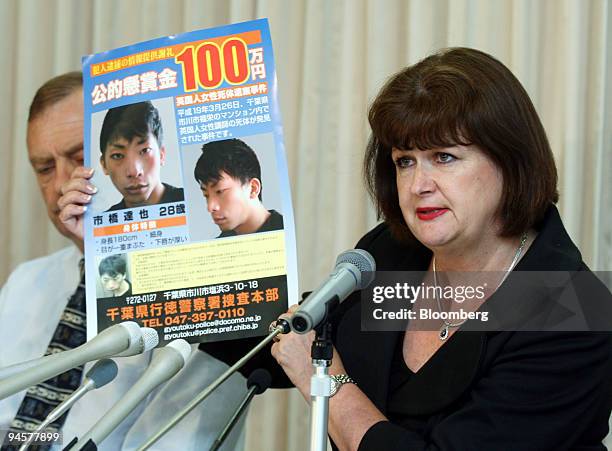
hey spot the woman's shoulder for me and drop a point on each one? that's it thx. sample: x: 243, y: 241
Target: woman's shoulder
x: 391, y: 253
x: 379, y: 234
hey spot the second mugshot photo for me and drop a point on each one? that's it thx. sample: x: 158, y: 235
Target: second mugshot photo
x: 232, y: 187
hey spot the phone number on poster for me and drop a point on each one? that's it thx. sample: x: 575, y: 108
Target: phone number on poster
x: 205, y: 316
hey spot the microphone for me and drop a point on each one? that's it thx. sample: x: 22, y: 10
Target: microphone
x: 354, y: 270
x: 103, y: 372
x: 17, y: 368
x: 123, y: 339
x: 165, y: 363
x: 142, y: 344
x: 258, y: 382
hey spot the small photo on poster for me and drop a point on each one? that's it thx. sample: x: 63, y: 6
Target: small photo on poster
x: 135, y: 156
x: 114, y: 278
x: 232, y: 187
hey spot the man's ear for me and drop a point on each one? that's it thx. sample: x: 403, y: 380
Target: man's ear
x: 103, y: 164
x: 255, y: 188
x: 162, y: 155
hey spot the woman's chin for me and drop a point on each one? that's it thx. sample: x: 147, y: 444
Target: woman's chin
x: 432, y: 242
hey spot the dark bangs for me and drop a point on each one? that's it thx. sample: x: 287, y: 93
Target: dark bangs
x: 414, y: 113
x: 131, y: 121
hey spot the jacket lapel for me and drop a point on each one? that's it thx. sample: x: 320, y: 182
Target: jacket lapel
x: 367, y: 356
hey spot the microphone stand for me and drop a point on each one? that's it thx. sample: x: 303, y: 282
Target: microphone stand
x: 321, y: 353
x: 282, y: 327
x: 229, y: 426
x: 60, y: 410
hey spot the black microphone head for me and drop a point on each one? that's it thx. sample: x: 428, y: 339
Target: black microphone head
x: 260, y: 379
x: 103, y: 372
x: 363, y: 261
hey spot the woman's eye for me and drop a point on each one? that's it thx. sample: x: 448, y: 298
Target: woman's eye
x: 403, y: 162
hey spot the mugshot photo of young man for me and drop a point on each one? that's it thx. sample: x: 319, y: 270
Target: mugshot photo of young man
x: 229, y: 175
x: 114, y: 277
x: 132, y: 154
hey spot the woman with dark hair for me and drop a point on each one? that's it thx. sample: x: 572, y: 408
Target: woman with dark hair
x: 461, y: 171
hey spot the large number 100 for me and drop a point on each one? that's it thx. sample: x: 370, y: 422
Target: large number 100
x: 209, y: 64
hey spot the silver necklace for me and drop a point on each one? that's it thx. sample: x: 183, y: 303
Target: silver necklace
x: 444, y: 330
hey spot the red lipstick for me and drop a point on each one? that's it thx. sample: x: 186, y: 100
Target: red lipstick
x: 430, y: 213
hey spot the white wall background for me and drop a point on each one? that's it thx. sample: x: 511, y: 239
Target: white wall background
x: 332, y: 56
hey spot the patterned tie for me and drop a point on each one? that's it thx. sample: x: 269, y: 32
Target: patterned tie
x: 41, y: 399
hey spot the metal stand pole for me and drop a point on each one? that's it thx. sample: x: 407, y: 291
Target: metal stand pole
x: 320, y: 386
